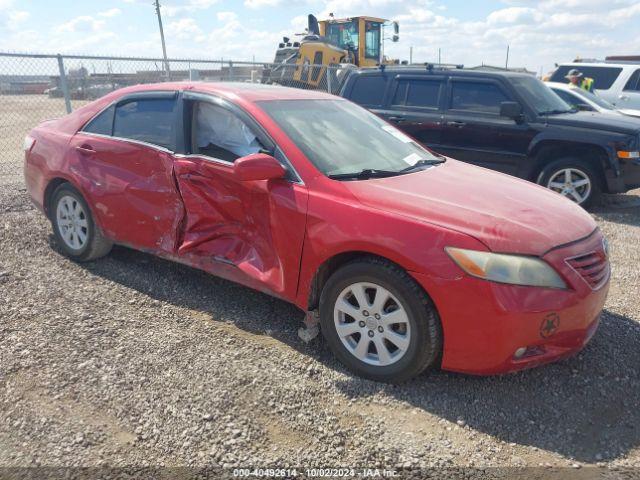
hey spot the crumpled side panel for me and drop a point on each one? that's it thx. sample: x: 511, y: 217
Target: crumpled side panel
x: 132, y: 190
x: 257, y: 227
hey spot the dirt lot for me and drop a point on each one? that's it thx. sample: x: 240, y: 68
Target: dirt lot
x: 18, y: 115
x: 136, y: 361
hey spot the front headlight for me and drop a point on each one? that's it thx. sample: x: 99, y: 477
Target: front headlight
x: 513, y: 269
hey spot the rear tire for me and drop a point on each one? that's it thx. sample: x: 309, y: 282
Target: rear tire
x: 373, y: 301
x: 73, y: 226
x: 574, y: 179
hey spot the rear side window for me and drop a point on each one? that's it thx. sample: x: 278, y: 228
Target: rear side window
x: 603, y: 77
x: 634, y: 82
x: 149, y: 120
x: 418, y: 93
x: 368, y: 90
x: 102, y: 124
x: 477, y: 97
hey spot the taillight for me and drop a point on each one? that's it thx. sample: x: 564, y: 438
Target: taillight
x: 29, y: 142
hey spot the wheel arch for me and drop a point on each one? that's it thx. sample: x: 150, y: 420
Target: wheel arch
x: 51, y: 187
x: 547, y: 151
x: 333, y: 263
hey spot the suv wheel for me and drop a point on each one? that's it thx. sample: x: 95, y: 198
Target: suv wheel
x: 573, y: 179
x: 379, y: 322
x: 73, y: 226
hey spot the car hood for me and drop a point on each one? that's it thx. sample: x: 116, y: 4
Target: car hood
x: 507, y: 214
x: 595, y: 121
x: 629, y: 111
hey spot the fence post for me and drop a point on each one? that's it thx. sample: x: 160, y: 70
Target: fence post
x: 329, y: 73
x: 63, y: 84
x: 230, y: 71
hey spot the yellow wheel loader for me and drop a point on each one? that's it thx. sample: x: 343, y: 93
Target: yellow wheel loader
x: 348, y: 42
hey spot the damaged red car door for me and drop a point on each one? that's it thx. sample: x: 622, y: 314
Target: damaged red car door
x: 126, y: 152
x: 247, y: 230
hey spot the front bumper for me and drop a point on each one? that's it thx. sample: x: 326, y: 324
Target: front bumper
x: 628, y: 179
x: 485, y: 323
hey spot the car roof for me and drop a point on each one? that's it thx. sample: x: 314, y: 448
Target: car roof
x: 600, y: 64
x: 423, y: 70
x: 251, y: 92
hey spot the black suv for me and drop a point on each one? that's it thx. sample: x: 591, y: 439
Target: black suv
x: 505, y: 121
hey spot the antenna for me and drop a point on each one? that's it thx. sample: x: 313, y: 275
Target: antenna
x: 164, y: 48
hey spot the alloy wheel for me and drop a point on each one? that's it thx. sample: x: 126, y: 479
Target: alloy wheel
x: 72, y: 222
x: 571, y: 183
x: 372, y: 324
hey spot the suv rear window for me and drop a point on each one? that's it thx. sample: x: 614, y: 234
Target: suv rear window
x: 418, y: 93
x: 368, y: 90
x: 603, y: 77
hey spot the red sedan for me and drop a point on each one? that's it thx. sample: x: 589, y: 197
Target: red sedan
x: 408, y: 259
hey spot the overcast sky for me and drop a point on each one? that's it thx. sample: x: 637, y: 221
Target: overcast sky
x: 539, y: 33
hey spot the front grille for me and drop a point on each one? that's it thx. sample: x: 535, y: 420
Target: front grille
x: 593, y: 267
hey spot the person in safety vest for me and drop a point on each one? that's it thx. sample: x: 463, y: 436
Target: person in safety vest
x: 577, y: 79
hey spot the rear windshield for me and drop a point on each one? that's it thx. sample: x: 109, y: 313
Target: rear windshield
x: 603, y: 77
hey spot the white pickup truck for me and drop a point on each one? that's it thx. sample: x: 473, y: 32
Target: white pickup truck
x: 618, y: 83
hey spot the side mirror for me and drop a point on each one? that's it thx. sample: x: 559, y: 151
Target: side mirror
x: 583, y: 107
x: 257, y: 166
x: 511, y: 110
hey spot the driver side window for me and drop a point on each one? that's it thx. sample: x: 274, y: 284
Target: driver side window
x: 218, y: 133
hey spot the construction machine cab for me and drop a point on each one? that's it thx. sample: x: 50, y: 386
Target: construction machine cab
x: 360, y: 35
x: 327, y: 50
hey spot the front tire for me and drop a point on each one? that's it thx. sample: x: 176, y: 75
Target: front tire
x: 73, y: 226
x: 573, y: 179
x: 378, y: 321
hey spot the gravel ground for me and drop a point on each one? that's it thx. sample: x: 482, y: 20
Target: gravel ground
x: 135, y: 361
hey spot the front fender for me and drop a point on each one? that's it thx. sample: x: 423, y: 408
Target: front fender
x: 606, y: 142
x: 359, y: 230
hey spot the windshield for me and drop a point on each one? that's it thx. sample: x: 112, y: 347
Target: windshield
x: 343, y: 35
x: 339, y: 137
x: 601, y: 102
x: 539, y: 96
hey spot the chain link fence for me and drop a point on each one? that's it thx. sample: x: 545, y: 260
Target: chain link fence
x: 34, y: 87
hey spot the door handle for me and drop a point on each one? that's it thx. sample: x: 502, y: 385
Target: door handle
x: 624, y: 97
x: 85, y: 149
x: 396, y: 118
x: 456, y: 124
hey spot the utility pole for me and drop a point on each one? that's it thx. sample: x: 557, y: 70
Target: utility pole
x: 410, y: 55
x: 439, y: 57
x: 506, y: 62
x: 164, y: 47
